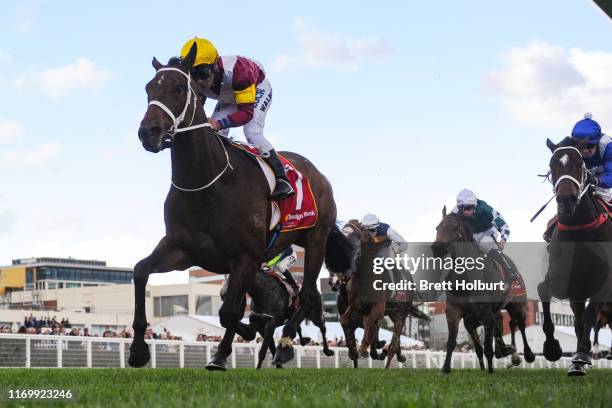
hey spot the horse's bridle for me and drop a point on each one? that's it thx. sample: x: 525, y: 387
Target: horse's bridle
x: 583, y: 185
x: 177, y: 120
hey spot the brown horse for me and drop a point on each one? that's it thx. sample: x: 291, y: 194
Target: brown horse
x: 217, y: 211
x: 368, y: 307
x: 580, y: 261
x: 604, y: 318
x: 476, y: 308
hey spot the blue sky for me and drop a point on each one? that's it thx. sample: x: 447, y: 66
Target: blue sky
x: 401, y: 105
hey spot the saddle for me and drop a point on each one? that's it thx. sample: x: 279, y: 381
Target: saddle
x: 298, y: 211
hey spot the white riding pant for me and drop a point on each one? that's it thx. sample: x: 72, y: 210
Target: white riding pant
x: 253, y: 130
x: 485, y: 241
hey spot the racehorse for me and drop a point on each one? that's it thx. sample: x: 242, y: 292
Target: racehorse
x: 579, y: 258
x: 369, y: 307
x: 604, y: 318
x: 476, y: 308
x: 270, y: 297
x: 217, y: 211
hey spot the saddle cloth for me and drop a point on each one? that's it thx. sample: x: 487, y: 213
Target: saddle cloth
x: 299, y: 211
x: 517, y: 285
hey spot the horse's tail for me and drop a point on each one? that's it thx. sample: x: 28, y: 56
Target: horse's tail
x: 339, y: 252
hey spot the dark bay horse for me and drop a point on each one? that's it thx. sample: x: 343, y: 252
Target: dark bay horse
x: 217, y: 211
x: 476, y: 308
x: 579, y: 266
x: 367, y: 307
x: 270, y: 297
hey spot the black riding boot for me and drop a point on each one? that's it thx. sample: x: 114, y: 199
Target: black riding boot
x: 283, y: 188
x: 292, y: 281
x: 497, y: 255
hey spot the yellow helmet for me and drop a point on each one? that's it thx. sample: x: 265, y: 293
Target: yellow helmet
x: 206, y: 51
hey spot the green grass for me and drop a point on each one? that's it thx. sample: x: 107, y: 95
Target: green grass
x: 310, y: 387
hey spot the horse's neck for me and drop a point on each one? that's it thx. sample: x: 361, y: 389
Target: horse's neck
x: 197, y: 158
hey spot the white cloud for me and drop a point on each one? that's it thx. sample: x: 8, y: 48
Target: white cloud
x: 323, y: 49
x: 10, y: 130
x: 545, y: 84
x: 79, y: 76
x: 35, y: 158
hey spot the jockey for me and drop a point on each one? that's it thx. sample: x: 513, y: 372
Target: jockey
x: 597, y: 155
x: 383, y: 232
x: 243, y: 94
x: 486, y: 224
x: 282, y: 262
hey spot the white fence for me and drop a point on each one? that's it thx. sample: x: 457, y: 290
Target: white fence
x: 23, y: 350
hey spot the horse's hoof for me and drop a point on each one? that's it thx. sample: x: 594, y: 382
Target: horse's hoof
x: 381, y: 344
x: 516, y: 359
x: 552, y: 350
x: 446, y: 370
x: 283, y: 355
x: 576, y: 370
x: 364, y: 354
x: 401, y: 358
x: 328, y: 352
x: 609, y: 356
x: 582, y: 358
x: 529, y: 356
x: 353, y: 355
x: 279, y: 366
x: 139, y: 354
x: 217, y: 363
x: 305, y: 340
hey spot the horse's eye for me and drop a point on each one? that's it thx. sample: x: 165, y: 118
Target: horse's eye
x: 180, y: 88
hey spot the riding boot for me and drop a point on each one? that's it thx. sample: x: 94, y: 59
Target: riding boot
x: 499, y: 257
x: 292, y: 282
x: 283, y: 187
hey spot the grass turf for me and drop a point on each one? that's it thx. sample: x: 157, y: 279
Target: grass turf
x: 310, y: 387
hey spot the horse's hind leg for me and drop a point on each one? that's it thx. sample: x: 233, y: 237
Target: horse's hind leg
x: 268, y: 340
x: 589, y: 318
x: 319, y: 321
x: 370, y: 328
x: 552, y: 349
x: 313, y: 261
x: 520, y: 319
x: 471, y: 325
x: 219, y: 361
x: 164, y: 258
x: 488, y: 341
x: 453, y: 316
x: 596, y: 340
x: 303, y: 340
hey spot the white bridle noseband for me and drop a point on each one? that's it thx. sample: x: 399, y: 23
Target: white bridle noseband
x: 582, y: 185
x: 177, y: 120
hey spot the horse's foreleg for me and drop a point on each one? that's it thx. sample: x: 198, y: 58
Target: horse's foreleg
x: 552, y: 349
x: 395, y: 346
x: 219, y: 360
x: 471, y: 326
x: 268, y: 340
x: 489, y: 326
x: 589, y: 318
x: 596, y: 341
x: 520, y: 319
x: 453, y: 316
x: 164, y: 258
x: 309, y: 296
x: 370, y: 327
x: 242, y: 275
x: 349, y: 325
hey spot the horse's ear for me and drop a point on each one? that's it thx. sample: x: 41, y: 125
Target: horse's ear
x: 444, y: 211
x: 156, y: 64
x: 189, y: 59
x: 551, y: 145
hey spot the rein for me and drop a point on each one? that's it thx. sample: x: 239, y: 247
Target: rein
x: 177, y: 120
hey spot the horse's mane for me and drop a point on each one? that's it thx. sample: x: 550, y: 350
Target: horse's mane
x: 466, y: 227
x: 572, y: 142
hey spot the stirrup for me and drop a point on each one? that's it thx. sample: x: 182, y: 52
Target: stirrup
x: 278, y: 193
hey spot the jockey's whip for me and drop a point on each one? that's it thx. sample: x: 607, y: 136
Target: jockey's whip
x: 542, y: 209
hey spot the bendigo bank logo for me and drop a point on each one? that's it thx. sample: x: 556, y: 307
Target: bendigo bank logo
x: 299, y: 216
